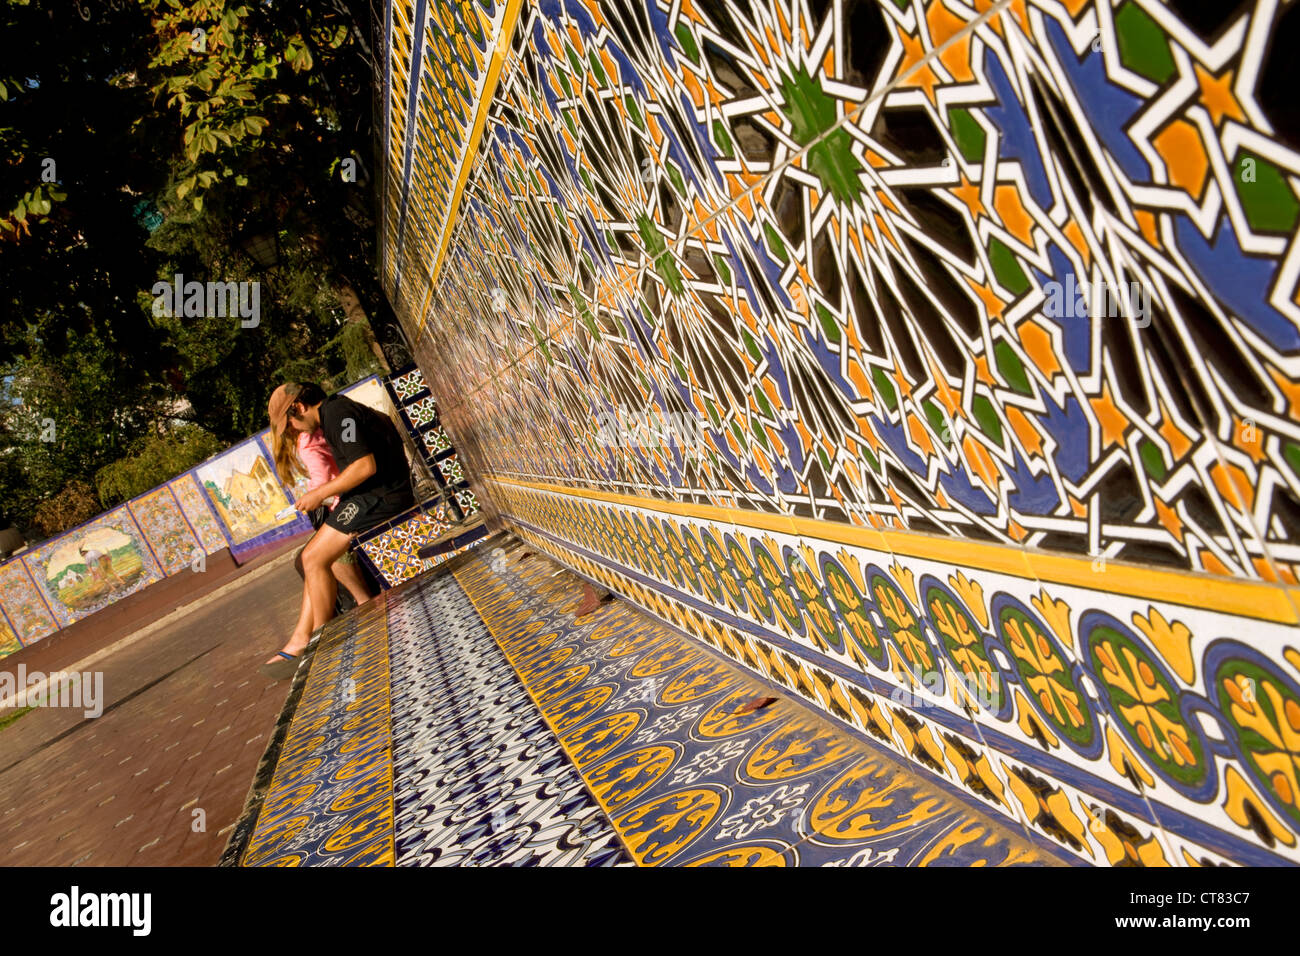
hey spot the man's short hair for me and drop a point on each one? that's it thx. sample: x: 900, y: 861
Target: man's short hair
x: 309, y: 393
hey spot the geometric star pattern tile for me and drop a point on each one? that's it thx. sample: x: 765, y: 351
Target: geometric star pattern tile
x: 1010, y: 284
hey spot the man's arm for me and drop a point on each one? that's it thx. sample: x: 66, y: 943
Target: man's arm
x: 351, y: 476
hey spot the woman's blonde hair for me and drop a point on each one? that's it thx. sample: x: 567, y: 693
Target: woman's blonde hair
x: 284, y: 449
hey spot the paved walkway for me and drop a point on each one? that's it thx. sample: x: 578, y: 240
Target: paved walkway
x: 186, y: 718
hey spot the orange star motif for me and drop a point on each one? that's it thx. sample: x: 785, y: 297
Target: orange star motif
x: 894, y: 497
x: 1289, y: 389
x: 1172, y: 434
x: 1113, y: 422
x: 1169, y: 518
x: 949, y: 398
x: 969, y: 195
x: 1025, y: 430
x: 1038, y: 346
x: 904, y: 386
x: 919, y: 435
x: 992, y: 303
x: 914, y: 53
x: 1217, y: 96
x: 1247, y: 436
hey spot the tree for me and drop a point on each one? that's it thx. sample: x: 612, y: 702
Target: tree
x: 133, y: 153
x: 275, y: 103
x: 155, y: 460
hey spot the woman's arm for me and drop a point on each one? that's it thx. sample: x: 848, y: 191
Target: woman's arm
x: 321, y: 466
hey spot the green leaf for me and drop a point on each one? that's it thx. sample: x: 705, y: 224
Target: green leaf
x: 297, y: 55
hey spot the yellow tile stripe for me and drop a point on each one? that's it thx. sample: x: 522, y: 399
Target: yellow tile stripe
x: 500, y: 50
x: 371, y: 635
x: 1253, y: 599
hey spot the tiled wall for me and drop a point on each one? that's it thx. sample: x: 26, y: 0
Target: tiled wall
x: 391, y: 549
x: 161, y: 533
x: 1043, y: 547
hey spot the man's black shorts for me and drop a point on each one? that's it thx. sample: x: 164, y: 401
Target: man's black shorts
x: 357, y: 513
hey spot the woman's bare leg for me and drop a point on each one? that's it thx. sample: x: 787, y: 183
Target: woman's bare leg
x: 348, y: 576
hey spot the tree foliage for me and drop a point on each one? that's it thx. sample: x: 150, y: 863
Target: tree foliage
x: 160, y: 137
x: 155, y: 460
x: 74, y: 504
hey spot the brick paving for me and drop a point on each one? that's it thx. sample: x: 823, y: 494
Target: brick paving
x: 186, y: 718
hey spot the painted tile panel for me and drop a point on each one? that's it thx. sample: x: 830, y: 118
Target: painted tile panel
x: 197, y: 512
x: 93, y: 566
x: 160, y: 519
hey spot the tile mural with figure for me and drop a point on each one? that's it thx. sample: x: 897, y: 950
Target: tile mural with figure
x: 93, y: 566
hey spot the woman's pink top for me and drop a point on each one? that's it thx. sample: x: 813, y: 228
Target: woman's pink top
x: 315, y: 453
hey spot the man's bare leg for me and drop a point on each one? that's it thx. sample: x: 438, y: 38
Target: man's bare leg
x: 326, y: 547
x: 301, y: 631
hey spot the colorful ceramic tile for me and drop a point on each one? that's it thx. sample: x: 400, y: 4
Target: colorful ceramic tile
x: 451, y: 470
x: 330, y: 801
x: 23, y: 604
x: 694, y: 761
x: 243, y: 489
x: 406, y: 386
x: 993, y: 681
x: 421, y: 412
x: 478, y: 777
x: 435, y: 441
x: 965, y: 332
x: 94, y: 565
x: 160, y: 519
x: 197, y: 512
x: 8, y: 639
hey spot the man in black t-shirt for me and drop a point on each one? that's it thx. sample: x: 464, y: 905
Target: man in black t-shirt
x: 373, y: 485
x: 355, y: 432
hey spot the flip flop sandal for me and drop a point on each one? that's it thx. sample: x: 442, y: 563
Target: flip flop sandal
x: 281, y: 670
